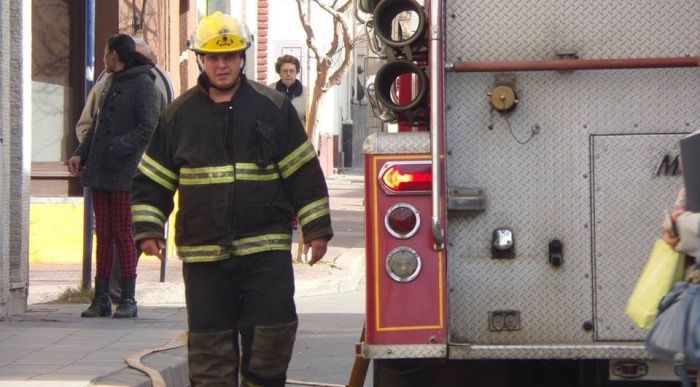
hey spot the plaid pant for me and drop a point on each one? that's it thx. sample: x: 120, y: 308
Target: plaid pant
x: 113, y: 226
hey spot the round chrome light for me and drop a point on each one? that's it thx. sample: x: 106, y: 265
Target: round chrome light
x: 402, y: 221
x: 403, y: 264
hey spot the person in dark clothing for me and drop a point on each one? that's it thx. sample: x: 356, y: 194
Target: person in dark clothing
x: 109, y: 154
x: 287, y: 67
x: 239, y: 158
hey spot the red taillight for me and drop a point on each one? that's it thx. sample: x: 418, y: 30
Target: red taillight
x: 402, y: 221
x: 406, y: 177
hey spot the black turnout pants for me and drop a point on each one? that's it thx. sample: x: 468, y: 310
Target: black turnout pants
x: 251, y: 297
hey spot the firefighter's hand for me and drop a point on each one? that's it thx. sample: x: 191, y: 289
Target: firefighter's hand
x: 152, y: 246
x: 318, y: 249
x: 74, y: 165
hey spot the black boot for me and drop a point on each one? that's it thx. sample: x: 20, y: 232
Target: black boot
x: 127, y: 307
x: 101, y: 305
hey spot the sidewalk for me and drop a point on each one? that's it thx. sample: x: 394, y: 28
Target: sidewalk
x: 51, y: 345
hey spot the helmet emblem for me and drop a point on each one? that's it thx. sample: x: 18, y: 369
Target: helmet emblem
x: 224, y: 41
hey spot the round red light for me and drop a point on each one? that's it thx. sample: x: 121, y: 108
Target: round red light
x: 402, y: 221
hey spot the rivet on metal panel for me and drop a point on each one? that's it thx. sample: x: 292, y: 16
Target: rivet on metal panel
x: 588, y: 326
x: 585, y: 176
x: 432, y: 340
x: 585, y: 225
x: 585, y: 126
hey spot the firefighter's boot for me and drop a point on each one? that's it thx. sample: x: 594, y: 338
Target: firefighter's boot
x: 267, y: 351
x: 101, y: 306
x: 127, y: 307
x: 212, y: 358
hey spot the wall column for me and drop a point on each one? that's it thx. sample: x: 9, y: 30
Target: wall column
x: 15, y: 140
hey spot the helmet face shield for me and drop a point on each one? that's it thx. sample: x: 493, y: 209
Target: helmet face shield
x: 220, y: 33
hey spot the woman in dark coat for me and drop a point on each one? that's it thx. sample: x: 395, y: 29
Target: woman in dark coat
x: 110, y: 154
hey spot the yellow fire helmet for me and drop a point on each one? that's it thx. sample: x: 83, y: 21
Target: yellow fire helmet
x: 220, y: 33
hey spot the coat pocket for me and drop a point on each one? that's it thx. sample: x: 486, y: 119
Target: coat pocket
x: 265, y: 144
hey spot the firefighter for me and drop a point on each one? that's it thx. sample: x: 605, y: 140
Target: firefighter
x: 239, y: 158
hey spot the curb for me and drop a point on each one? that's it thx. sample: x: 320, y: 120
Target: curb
x: 346, y: 274
x: 170, y: 364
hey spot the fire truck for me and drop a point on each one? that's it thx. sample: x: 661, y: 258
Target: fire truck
x: 512, y: 207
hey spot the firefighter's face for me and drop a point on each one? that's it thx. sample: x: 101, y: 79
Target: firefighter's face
x: 222, y: 70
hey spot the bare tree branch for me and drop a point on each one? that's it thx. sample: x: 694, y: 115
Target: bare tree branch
x: 341, y: 21
x: 310, y: 39
x: 344, y: 7
x: 334, y: 44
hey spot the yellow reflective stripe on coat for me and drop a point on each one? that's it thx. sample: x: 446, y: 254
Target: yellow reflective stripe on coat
x: 258, y: 244
x: 251, y: 171
x: 313, y: 210
x: 158, y: 173
x: 206, y: 175
x: 203, y: 253
x: 147, y: 213
x: 300, y: 156
x: 244, y: 246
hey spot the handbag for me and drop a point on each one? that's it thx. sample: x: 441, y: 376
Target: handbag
x: 664, y: 268
x: 675, y: 335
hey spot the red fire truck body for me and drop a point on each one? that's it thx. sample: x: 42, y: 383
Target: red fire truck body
x: 510, y: 216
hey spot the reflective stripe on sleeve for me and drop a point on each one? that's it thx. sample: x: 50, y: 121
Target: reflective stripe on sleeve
x: 147, y: 213
x: 295, y: 160
x: 158, y: 173
x: 313, y: 210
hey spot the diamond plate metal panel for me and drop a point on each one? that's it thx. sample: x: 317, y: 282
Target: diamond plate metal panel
x: 621, y: 351
x: 542, y: 190
x: 628, y: 199
x: 482, y: 30
x: 397, y: 143
x: 413, y: 351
